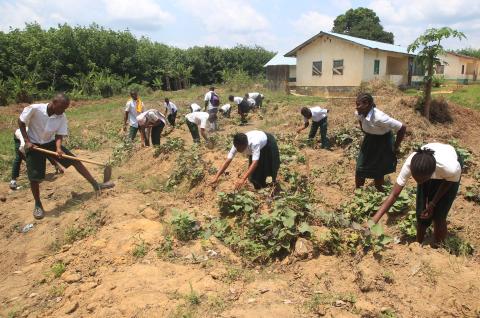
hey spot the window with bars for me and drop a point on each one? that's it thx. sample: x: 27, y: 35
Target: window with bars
x: 317, y: 68
x: 337, y: 67
x: 376, y: 67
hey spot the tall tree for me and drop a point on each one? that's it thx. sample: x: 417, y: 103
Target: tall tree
x: 362, y: 23
x: 430, y: 48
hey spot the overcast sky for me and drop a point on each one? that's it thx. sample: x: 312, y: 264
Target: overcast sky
x: 278, y: 25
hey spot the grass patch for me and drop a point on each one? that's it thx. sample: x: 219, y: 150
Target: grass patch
x: 468, y: 96
x: 140, y: 248
x: 58, y: 269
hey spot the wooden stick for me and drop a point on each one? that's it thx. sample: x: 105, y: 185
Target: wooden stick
x: 53, y: 153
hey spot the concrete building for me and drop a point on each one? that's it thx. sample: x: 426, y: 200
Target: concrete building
x: 458, y: 67
x: 281, y: 73
x: 335, y: 63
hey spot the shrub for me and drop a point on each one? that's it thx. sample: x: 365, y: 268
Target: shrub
x: 58, y: 269
x: 237, y: 80
x: 185, y: 226
x: 140, y: 248
x: 438, y: 80
x: 457, y: 246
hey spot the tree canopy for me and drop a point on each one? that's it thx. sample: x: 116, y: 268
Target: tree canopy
x: 470, y: 52
x: 363, y: 23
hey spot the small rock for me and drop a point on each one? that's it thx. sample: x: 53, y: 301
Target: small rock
x: 70, y: 307
x: 263, y: 290
x: 287, y: 301
x: 88, y: 286
x: 321, y: 310
x: 3, y: 199
x: 72, y: 278
x: 339, y: 303
x: 32, y: 295
x: 303, y: 248
x: 251, y: 300
x: 147, y: 191
x: 58, y: 299
x: 141, y: 207
x: 66, y: 247
x: 232, y: 290
x: 91, y: 307
x: 18, y: 272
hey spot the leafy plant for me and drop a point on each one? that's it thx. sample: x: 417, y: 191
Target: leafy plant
x: 165, y: 250
x: 58, y: 269
x: 457, y: 246
x: 189, y: 166
x: 366, y: 201
x: 376, y: 239
x: 171, y: 145
x: 408, y: 226
x: 473, y: 193
x: 464, y: 154
x: 185, y: 226
x: 140, y: 248
x: 237, y: 203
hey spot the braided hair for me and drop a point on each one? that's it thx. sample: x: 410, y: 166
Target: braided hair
x: 423, y: 162
x: 366, y: 97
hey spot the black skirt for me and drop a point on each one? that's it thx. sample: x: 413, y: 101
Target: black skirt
x: 268, y: 164
x: 376, y: 158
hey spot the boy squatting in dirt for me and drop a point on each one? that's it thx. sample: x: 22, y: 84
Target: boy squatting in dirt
x: 377, y: 156
x: 263, y: 157
x: 47, y: 125
x: 319, y: 122
x: 437, y: 169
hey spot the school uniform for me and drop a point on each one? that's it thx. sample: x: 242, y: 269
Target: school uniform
x: 377, y: 158
x: 257, y: 97
x: 211, y: 109
x: 154, y: 119
x: 262, y: 147
x: 449, y: 168
x: 319, y: 122
x: 42, y: 130
x: 243, y: 105
x: 226, y: 109
x: 133, y: 112
x: 194, y: 121
x: 172, y: 113
x: 195, y: 107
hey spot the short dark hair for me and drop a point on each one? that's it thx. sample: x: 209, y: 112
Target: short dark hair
x: 61, y: 98
x: 212, y: 88
x: 167, y: 99
x: 366, y: 97
x: 230, y: 98
x: 306, y: 112
x: 423, y: 162
x: 240, y: 139
x: 133, y: 91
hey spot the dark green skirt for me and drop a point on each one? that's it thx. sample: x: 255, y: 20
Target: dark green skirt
x: 376, y: 158
x: 268, y: 164
x: 426, y: 192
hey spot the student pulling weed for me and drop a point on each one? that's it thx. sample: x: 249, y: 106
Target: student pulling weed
x: 171, y: 109
x: 257, y: 97
x: 318, y: 116
x: 153, y: 121
x: 377, y: 156
x: 196, y: 120
x: 264, y: 158
x: 437, y: 170
x: 47, y: 125
x: 243, y: 107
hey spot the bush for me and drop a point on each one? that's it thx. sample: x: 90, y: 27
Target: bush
x: 185, y: 226
x: 58, y: 269
x: 457, y: 246
x: 438, y: 80
x: 439, y: 110
x: 237, y: 80
x: 3, y: 93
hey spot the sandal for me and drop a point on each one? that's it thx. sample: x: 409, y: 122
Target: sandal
x: 38, y: 213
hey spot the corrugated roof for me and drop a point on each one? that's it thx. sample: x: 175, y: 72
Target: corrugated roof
x: 279, y: 59
x: 362, y: 42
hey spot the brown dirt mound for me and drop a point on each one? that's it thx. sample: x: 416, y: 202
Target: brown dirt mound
x: 378, y: 87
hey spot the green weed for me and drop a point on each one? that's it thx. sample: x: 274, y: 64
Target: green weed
x: 58, y: 269
x: 140, y: 248
x: 457, y: 246
x: 170, y: 145
x: 408, y: 226
x: 185, y: 226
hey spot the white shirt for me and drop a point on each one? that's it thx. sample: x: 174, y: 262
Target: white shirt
x: 378, y: 123
x: 254, y: 95
x: 18, y: 135
x: 208, y: 97
x: 195, y: 107
x: 131, y: 108
x: 318, y: 114
x: 251, y: 102
x: 171, y: 107
x: 198, y: 118
x: 226, y: 107
x: 256, y: 141
x: 41, y: 127
x: 448, y: 168
x: 150, y: 117
x: 237, y: 100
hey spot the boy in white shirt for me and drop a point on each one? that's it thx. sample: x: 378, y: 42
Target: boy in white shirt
x: 257, y: 97
x: 225, y: 110
x: 243, y: 107
x: 171, y: 111
x: 47, y: 125
x: 153, y: 121
x: 133, y: 108
x: 195, y: 121
x: 212, y: 101
x: 20, y: 155
x: 318, y: 116
x: 194, y: 107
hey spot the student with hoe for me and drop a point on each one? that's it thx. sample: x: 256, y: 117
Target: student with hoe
x: 264, y: 158
x: 437, y: 170
x: 133, y: 108
x: 318, y: 116
x: 377, y: 156
x: 47, y: 125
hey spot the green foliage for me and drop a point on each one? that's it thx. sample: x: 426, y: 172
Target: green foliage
x: 366, y: 202
x: 193, y: 297
x: 457, y: 246
x: 464, y: 154
x: 405, y: 201
x: 92, y: 143
x: 140, y: 248
x: 189, y: 166
x: 469, y: 52
x: 472, y: 193
x: 121, y: 152
x: 171, y: 145
x: 408, y: 226
x: 376, y: 239
x: 237, y: 203
x: 349, y: 139
x: 165, y: 250
x: 237, y: 80
x: 363, y: 23
x: 438, y: 80
x: 185, y: 226
x: 76, y: 233
x: 93, y: 61
x: 58, y: 269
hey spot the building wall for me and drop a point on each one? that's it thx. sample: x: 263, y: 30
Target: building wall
x: 327, y: 49
x: 277, y: 77
x: 368, y: 64
x: 453, y: 67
